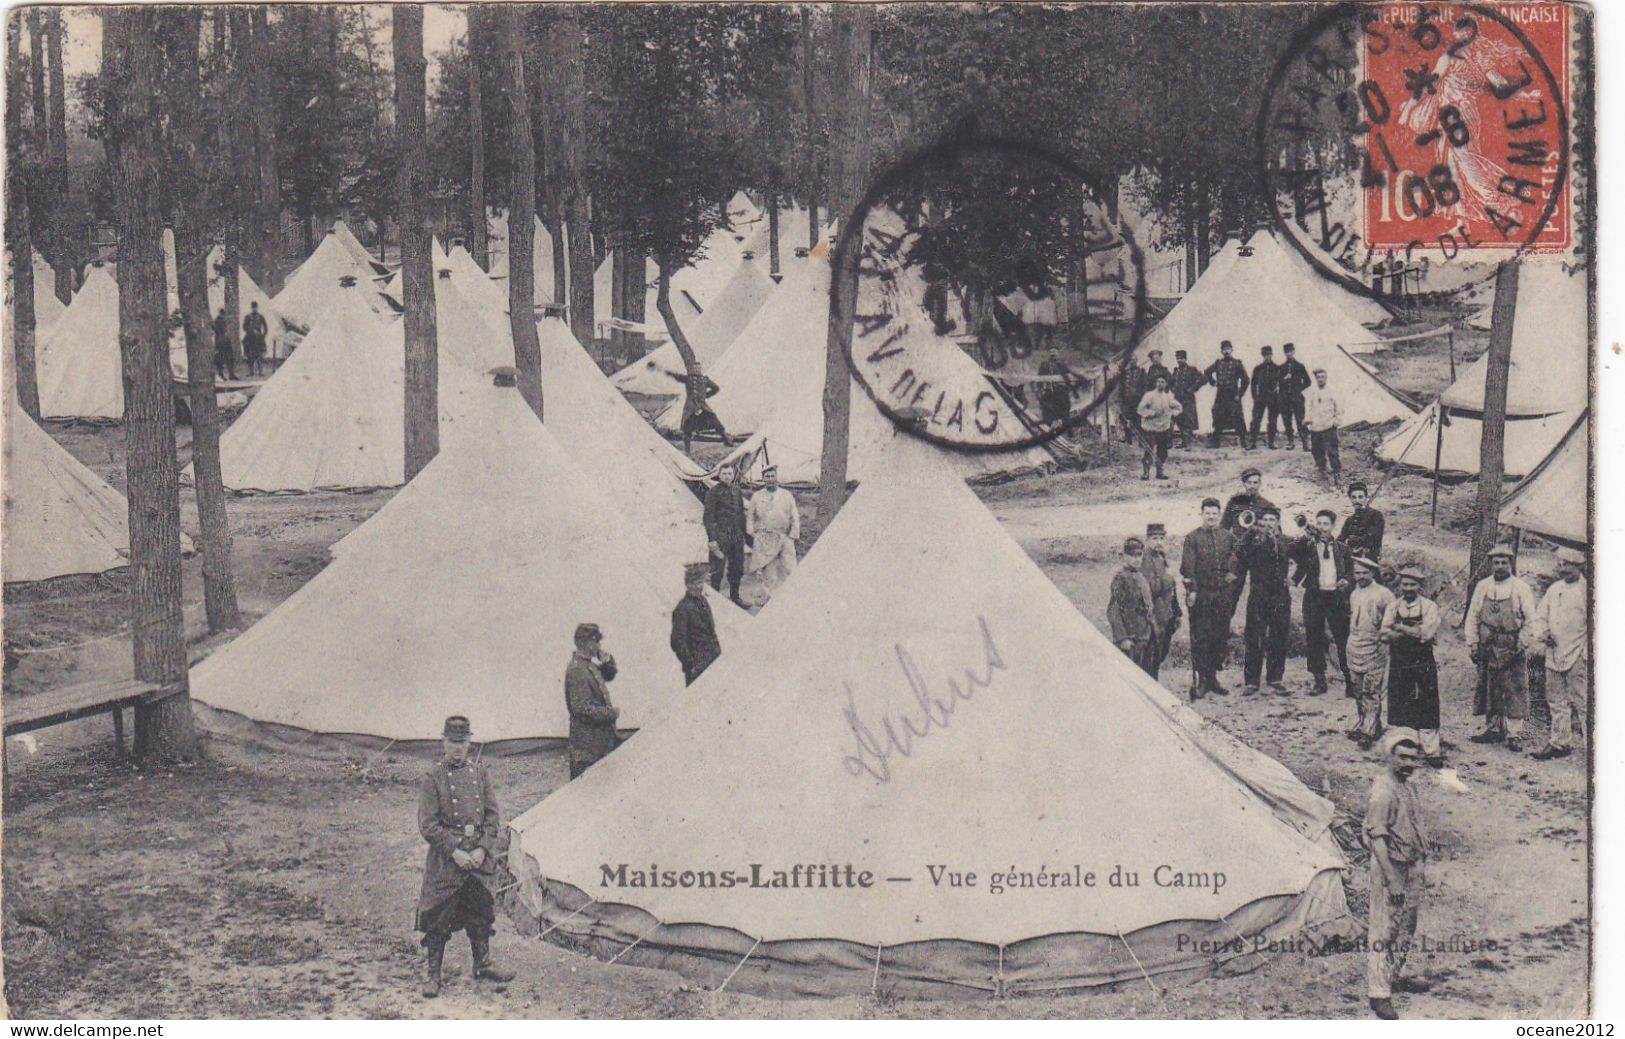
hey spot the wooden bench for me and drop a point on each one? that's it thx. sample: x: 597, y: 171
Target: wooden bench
x: 67, y: 703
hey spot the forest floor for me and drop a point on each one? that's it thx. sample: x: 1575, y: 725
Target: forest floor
x: 265, y: 884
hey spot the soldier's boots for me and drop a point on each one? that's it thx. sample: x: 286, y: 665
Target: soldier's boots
x: 431, y: 976
x: 483, y: 965
x: 1145, y: 470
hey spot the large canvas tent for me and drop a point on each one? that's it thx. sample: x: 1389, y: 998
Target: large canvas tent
x: 60, y: 518
x: 357, y: 251
x: 887, y: 710
x: 462, y: 597
x: 772, y: 382
x: 1547, y: 387
x: 541, y: 258
x: 1256, y: 295
x: 248, y: 292
x: 1552, y: 500
x: 661, y: 373
x: 332, y: 266
x: 81, y: 372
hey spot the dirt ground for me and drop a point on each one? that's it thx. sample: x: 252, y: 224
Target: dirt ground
x: 265, y: 884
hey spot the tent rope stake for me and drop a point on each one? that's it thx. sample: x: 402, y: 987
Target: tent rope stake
x: 874, y: 983
x: 1138, y: 965
x: 638, y: 941
x: 741, y: 963
x: 586, y: 906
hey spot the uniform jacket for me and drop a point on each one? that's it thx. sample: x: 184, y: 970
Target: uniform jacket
x: 1186, y: 381
x: 1240, y: 503
x: 1229, y: 376
x: 449, y: 800
x: 1362, y: 533
x: 1130, y: 611
x: 592, y: 716
x: 1164, y: 589
x: 1266, y: 376
x: 694, y: 635
x: 1263, y: 558
x: 1293, y: 380
x: 724, y: 514
x: 1207, y: 558
x: 1148, y: 380
x: 1130, y: 385
x: 254, y: 325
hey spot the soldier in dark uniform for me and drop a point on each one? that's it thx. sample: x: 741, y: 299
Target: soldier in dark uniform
x: 1131, y: 612
x: 586, y: 695
x: 1362, y: 531
x: 225, y: 352
x: 697, y: 414
x: 1054, y: 398
x: 693, y: 628
x: 1153, y: 368
x: 1266, y: 375
x: 1164, y: 591
x: 254, y: 333
x: 1248, y: 500
x: 1326, y: 570
x: 1207, y: 568
x: 725, y: 531
x: 1262, y: 557
x: 1229, y: 377
x: 1130, y: 388
x: 1186, y: 381
x: 1290, y: 383
x: 458, y: 816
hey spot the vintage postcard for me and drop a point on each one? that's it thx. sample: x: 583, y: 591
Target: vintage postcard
x: 763, y: 510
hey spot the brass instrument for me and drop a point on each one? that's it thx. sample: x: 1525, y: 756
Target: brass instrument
x: 1245, y: 519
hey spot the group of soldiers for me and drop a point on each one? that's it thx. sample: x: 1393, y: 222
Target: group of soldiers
x: 1156, y: 402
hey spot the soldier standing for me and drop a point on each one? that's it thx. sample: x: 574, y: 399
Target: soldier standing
x: 1326, y: 571
x: 1290, y: 384
x: 1130, y: 387
x: 1410, y: 624
x: 1206, y: 567
x: 1131, y: 612
x: 1266, y: 375
x: 1362, y: 531
x: 1498, y: 621
x: 1261, y: 556
x: 1399, y: 848
x: 1164, y: 590
x: 1187, y: 380
x: 586, y: 696
x: 1229, y: 377
x: 1368, y: 664
x: 725, y: 531
x: 693, y: 627
x: 458, y: 817
x: 1154, y: 368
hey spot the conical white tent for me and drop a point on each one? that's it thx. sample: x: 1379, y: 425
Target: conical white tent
x: 475, y: 283
x: 462, y: 598
x: 60, y: 518
x: 772, y: 382
x: 80, y: 370
x: 919, y: 693
x: 1553, y: 500
x: 660, y: 373
x: 1255, y: 296
x: 542, y: 258
x: 357, y: 251
x: 305, y: 294
x: 47, y: 308
x: 1547, y: 385
x: 248, y: 292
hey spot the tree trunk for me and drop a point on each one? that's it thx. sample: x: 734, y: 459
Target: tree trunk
x: 181, y: 27
x: 617, y: 304
x: 268, y: 214
x: 236, y: 140
x: 773, y: 239
x: 131, y: 93
x: 67, y: 263
x: 809, y: 112
x: 1491, y: 451
x: 527, y: 351
x: 38, y: 109
x: 1204, y: 225
x: 417, y: 264
x: 849, y: 170
x: 572, y: 167
x: 476, y: 132
x: 685, y: 350
x: 635, y: 298
x: 18, y: 236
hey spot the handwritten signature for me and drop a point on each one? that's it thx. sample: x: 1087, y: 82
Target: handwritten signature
x: 898, y: 732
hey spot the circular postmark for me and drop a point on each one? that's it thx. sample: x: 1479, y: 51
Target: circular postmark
x: 996, y: 289
x: 1409, y: 148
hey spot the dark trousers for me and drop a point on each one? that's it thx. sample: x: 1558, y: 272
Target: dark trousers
x: 1291, y: 408
x: 470, y: 909
x: 1325, y: 614
x: 1269, y: 620
x: 1227, y: 418
x: 1262, y: 408
x: 1323, y: 443
x: 1165, y: 642
x: 1156, y: 447
x: 731, y: 564
x: 1210, y: 630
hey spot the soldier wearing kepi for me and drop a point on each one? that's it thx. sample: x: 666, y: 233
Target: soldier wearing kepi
x: 458, y: 816
x: 586, y: 696
x: 693, y: 627
x: 1229, y: 377
x: 1206, y: 566
x: 1131, y: 612
x: 1164, y: 590
x: 1265, y: 376
x: 1399, y: 850
x: 1289, y: 387
x: 1186, y: 381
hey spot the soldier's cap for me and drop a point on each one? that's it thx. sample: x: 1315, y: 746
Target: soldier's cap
x: 1269, y: 511
x: 588, y: 631
x: 771, y: 470
x: 1214, y: 502
x: 1226, y: 345
x: 1289, y: 348
x: 1154, y: 353
x: 1133, y: 546
x: 1181, y: 354
x: 1369, y: 564
x: 1249, y: 473
x: 696, y: 571
x: 1266, y: 351
x: 457, y: 728
x: 1413, y: 572
x: 1358, y: 485
x: 1502, y: 551
x: 1571, y: 555
x: 1153, y: 529
x: 1397, y: 735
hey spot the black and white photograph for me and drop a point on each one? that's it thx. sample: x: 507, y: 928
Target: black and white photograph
x: 863, y: 511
